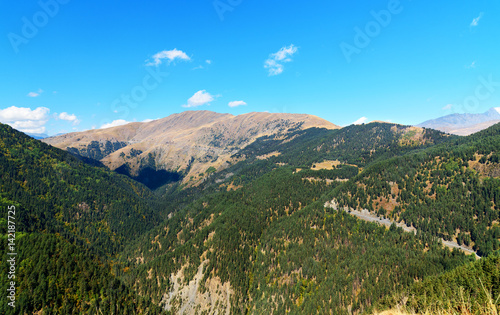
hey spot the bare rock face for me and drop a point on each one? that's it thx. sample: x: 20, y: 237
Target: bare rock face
x: 189, y: 298
x: 191, y: 142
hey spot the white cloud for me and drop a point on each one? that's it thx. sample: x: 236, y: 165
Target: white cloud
x: 472, y: 65
x: 275, y: 62
x: 35, y: 94
x: 170, y: 55
x: 208, y: 62
x: 199, y: 98
x: 14, y: 113
x: 68, y: 117
x: 360, y: 121
x: 274, y: 67
x: 236, y: 103
x: 447, y: 107
x: 25, y: 119
x: 115, y: 123
x: 475, y: 21
x: 148, y: 120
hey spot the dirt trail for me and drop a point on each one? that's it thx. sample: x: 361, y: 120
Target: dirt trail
x: 366, y: 215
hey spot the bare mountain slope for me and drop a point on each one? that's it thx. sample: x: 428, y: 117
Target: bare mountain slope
x: 190, y: 142
x: 464, y: 124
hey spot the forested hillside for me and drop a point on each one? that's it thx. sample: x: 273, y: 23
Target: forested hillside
x: 253, y: 237
x: 57, y: 192
x: 264, y: 215
x: 470, y: 289
x: 70, y: 218
x: 450, y: 190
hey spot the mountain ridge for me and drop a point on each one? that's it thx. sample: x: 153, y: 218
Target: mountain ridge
x: 464, y: 124
x: 189, y: 142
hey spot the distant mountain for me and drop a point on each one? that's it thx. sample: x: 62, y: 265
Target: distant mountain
x: 189, y: 143
x: 464, y: 124
x: 38, y: 136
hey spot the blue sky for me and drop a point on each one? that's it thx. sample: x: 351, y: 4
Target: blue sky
x: 75, y: 65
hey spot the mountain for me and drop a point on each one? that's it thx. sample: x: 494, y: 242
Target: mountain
x: 464, y: 124
x: 187, y: 144
x: 38, y: 136
x: 262, y: 242
x: 451, y: 190
x: 268, y: 233
x: 69, y: 218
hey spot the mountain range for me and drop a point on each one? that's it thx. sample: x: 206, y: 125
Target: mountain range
x: 252, y: 214
x: 189, y: 143
x: 464, y: 124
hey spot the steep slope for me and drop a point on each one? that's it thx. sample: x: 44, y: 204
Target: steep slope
x: 262, y: 218
x: 70, y: 219
x: 54, y: 276
x: 56, y: 192
x: 470, y: 289
x: 190, y: 142
x: 253, y: 237
x: 464, y: 124
x: 451, y: 190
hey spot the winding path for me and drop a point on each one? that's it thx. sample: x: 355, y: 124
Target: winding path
x: 366, y: 215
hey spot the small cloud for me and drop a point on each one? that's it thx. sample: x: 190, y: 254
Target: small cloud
x: 170, y: 55
x: 447, y: 107
x: 115, y: 123
x: 360, y: 121
x: 35, y: 94
x: 236, y: 103
x: 68, y: 117
x: 25, y: 119
x: 198, y: 67
x: 209, y: 62
x: 275, y: 62
x: 472, y: 65
x: 149, y: 120
x: 475, y: 21
x: 199, y: 98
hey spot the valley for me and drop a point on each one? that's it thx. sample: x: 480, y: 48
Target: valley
x: 260, y: 232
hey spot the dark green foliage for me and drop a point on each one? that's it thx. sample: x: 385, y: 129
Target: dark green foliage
x: 59, y: 193
x: 472, y: 288
x: 437, y: 191
x: 56, y: 277
x: 321, y: 262
x: 271, y: 238
x: 359, y: 145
